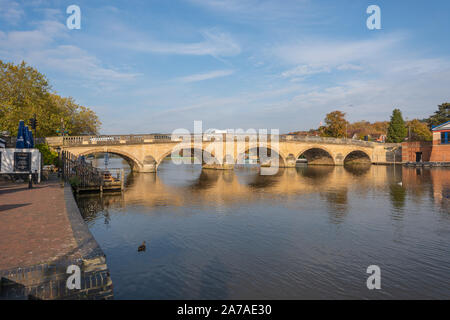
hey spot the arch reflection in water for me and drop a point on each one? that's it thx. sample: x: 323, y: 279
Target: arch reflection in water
x: 317, y: 156
x: 237, y: 226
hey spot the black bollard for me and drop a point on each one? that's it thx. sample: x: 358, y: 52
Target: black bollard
x: 30, y: 182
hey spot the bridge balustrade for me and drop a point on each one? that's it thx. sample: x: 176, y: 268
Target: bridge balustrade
x: 114, y: 139
x: 156, y: 138
x: 328, y: 140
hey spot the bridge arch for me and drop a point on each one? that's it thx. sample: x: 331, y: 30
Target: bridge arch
x: 167, y: 153
x: 357, y: 156
x: 281, y: 157
x: 317, y: 155
x: 134, y: 163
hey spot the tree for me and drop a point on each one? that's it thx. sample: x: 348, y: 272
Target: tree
x: 397, y: 130
x: 49, y: 156
x: 440, y: 116
x: 419, y: 131
x: 78, y: 120
x: 359, y: 128
x: 335, y: 125
x: 24, y: 92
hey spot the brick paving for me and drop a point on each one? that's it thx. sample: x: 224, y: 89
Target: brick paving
x: 34, y: 225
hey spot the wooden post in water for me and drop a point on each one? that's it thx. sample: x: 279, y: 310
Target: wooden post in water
x: 122, y: 180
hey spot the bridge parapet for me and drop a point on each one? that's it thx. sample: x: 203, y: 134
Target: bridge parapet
x: 328, y: 140
x: 107, y: 139
x: 133, y: 139
x: 137, y: 139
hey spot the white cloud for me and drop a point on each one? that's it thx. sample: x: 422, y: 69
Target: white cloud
x: 11, y: 11
x: 206, y: 76
x: 215, y: 43
x: 325, y: 56
x: 304, y: 70
x: 43, y: 36
x: 329, y: 52
x: 416, y: 88
x: 349, y: 66
x: 266, y: 10
x: 38, y: 47
x: 72, y: 60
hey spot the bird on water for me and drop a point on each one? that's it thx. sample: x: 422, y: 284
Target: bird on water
x: 141, y: 247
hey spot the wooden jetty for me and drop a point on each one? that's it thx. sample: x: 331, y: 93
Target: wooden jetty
x: 82, y: 176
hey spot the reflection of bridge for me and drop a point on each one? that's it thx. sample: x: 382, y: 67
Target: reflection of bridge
x: 146, y: 152
x: 227, y: 188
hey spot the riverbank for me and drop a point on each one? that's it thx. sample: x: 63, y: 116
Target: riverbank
x: 41, y: 234
x: 427, y: 164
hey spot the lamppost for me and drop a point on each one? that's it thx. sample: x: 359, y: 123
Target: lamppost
x: 409, y: 129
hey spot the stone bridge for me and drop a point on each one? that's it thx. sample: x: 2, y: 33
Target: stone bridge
x: 145, y: 153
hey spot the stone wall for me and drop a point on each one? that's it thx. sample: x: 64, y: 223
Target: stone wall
x: 440, y: 153
x: 48, y: 281
x: 409, y: 150
x: 430, y: 152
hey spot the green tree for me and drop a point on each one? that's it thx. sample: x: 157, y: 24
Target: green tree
x: 49, y: 156
x: 440, y: 116
x: 78, y: 120
x: 419, y: 131
x: 397, y: 130
x: 24, y: 92
x: 335, y: 125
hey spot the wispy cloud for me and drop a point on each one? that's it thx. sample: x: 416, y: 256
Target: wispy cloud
x: 206, y: 76
x: 39, y: 47
x: 325, y: 56
x: 11, y: 11
x: 410, y: 84
x: 332, y: 52
x: 304, y: 70
x: 266, y: 10
x: 215, y: 43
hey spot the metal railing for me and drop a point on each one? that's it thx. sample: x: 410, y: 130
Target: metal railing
x: 86, y: 174
x: 81, y: 174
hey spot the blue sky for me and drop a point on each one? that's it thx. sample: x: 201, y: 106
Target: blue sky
x: 154, y: 66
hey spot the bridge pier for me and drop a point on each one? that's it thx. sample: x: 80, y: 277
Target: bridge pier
x: 146, y: 168
x: 287, y: 165
x: 218, y: 166
x: 289, y: 162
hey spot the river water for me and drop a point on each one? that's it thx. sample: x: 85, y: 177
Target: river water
x: 305, y: 233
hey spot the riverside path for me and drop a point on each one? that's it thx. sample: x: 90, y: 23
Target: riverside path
x: 41, y: 234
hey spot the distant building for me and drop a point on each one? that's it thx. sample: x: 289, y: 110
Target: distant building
x: 441, y: 134
x: 218, y: 131
x: 437, y: 150
x: 379, y: 137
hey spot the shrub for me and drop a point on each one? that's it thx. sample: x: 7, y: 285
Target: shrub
x: 74, y: 181
x: 49, y: 156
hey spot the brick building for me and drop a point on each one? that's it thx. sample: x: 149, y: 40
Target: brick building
x: 437, y: 150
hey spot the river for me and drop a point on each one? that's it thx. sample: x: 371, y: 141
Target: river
x: 305, y: 233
